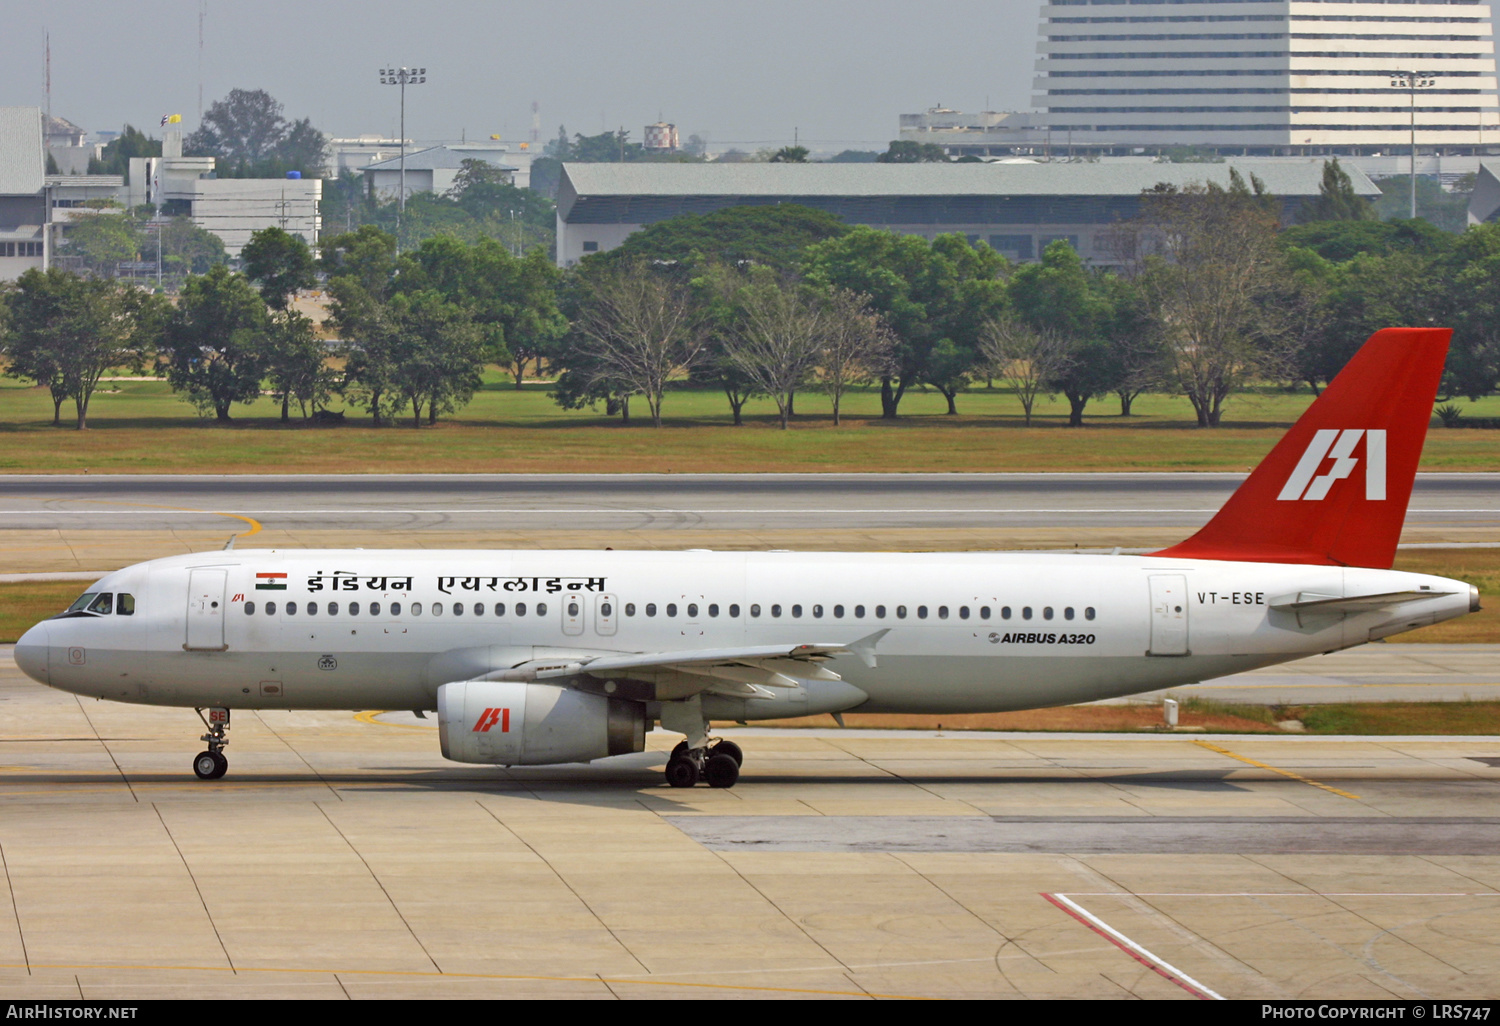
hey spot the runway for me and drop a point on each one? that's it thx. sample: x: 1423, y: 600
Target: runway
x: 342, y: 857
x: 672, y: 502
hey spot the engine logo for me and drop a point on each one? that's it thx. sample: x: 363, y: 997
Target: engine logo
x: 328, y: 662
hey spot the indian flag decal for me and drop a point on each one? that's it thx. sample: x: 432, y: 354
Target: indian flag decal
x: 270, y: 582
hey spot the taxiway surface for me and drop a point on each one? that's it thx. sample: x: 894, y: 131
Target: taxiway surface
x: 343, y: 857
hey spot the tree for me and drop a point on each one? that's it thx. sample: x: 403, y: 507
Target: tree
x: 767, y: 236
x: 903, y: 151
x: 1059, y: 294
x: 102, y: 238
x: 857, y: 346
x: 1026, y: 357
x: 924, y: 291
x: 186, y: 248
x: 778, y: 335
x: 438, y: 353
x: 215, y: 342
x: 714, y: 290
x: 67, y: 331
x: 279, y: 263
x: 114, y: 159
x: 1467, y: 286
x: 296, y: 364
x: 790, y: 155
x: 1337, y: 200
x: 250, y: 138
x: 634, y: 330
x: 1213, y: 288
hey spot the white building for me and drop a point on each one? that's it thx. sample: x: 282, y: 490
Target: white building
x: 24, y: 241
x: 435, y: 168
x: 1268, y: 76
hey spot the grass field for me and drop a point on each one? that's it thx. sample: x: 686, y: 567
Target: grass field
x: 141, y: 427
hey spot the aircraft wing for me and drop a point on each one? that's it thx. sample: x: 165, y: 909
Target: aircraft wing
x: 725, y: 669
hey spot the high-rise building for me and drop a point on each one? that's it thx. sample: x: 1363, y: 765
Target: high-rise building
x: 1277, y: 77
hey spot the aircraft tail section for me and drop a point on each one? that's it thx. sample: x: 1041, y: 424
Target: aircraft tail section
x: 1335, y: 488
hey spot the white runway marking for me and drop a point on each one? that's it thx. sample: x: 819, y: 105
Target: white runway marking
x: 1158, y: 965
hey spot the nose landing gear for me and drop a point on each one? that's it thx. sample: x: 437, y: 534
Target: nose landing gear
x: 211, y: 765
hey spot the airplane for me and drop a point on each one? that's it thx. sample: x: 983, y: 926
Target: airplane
x: 547, y: 657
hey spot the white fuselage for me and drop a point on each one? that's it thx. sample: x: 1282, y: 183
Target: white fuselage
x: 968, y: 632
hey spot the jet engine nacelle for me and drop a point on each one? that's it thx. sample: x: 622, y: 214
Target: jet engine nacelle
x: 509, y: 723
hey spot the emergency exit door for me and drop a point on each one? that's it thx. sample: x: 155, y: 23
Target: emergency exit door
x: 205, y: 610
x: 1169, y: 615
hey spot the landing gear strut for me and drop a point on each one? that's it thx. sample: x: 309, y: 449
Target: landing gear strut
x: 211, y: 765
x: 698, y: 757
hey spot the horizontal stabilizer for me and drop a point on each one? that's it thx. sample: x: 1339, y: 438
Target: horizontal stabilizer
x: 1306, y: 603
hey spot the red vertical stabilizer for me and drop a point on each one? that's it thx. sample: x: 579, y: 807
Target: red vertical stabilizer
x: 1335, y: 488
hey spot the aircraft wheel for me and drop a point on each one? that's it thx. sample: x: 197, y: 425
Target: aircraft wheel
x: 721, y: 771
x: 207, y: 765
x: 730, y: 749
x: 682, y: 772
x: 680, y: 750
x: 221, y: 765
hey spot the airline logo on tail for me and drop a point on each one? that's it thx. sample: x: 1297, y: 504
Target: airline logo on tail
x: 1337, y: 446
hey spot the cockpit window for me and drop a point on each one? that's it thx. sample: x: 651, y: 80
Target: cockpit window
x: 125, y: 604
x: 82, y: 603
x: 103, y: 602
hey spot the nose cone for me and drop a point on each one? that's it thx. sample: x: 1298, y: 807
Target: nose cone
x: 31, y: 653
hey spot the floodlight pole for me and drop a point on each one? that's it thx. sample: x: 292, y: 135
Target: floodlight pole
x: 402, y: 77
x: 1411, y: 81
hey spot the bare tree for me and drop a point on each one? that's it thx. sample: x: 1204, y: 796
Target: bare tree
x: 857, y: 345
x: 635, y: 329
x: 779, y: 336
x: 1215, y: 290
x: 1024, y: 357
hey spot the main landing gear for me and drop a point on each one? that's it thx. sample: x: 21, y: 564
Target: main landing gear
x: 717, y: 764
x: 211, y: 765
x: 698, y: 757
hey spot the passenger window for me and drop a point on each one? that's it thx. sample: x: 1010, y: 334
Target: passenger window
x: 1068, y: 613
x: 1026, y: 612
x: 1005, y: 612
x: 270, y: 609
x: 541, y: 609
x: 125, y: 605
x: 1046, y: 612
x: 734, y: 609
x: 921, y: 612
x: 1088, y: 612
x: 942, y: 612
x: 478, y: 609
x: 520, y: 609
x: 671, y: 608
x: 250, y: 608
x: 103, y: 603
x: 963, y: 612
x: 776, y: 610
x: 692, y: 610
x: 374, y: 608
x: 838, y: 612
x: 416, y: 609
x: 630, y: 609
x: 437, y: 608
x: 605, y: 609
x: 901, y: 612
x: 797, y: 611
x: 817, y: 612
x: 499, y: 608
x: 984, y: 612
x: 458, y: 609
x: 650, y: 608
x: 291, y: 609
x: 713, y: 609
x: 755, y: 609
x: 880, y: 612
x: 312, y: 609
x: 333, y: 609
x: 354, y: 609
x: 395, y: 609
x: 859, y: 612
x: 573, y: 609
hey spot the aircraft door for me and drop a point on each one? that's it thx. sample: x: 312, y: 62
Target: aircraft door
x: 606, y: 615
x: 1169, y: 615
x: 573, y: 614
x: 205, y: 611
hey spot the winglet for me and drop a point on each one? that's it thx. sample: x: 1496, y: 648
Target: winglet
x: 230, y: 543
x: 865, y: 647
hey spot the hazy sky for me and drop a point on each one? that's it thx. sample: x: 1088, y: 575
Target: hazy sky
x: 749, y: 73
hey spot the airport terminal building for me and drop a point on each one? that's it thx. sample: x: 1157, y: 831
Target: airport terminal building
x: 1016, y: 208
